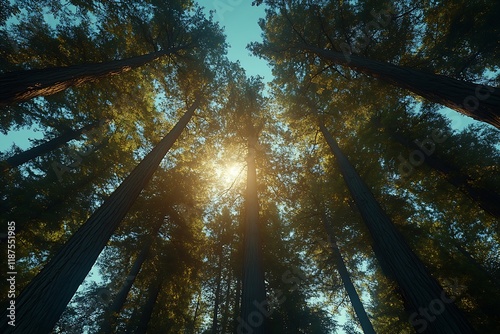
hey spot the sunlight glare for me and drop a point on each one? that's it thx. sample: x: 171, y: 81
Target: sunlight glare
x: 229, y: 173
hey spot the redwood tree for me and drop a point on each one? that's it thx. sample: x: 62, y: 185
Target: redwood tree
x: 357, y: 305
x: 487, y: 199
x: 114, y: 309
x: 147, y: 310
x: 41, y: 303
x: 48, y: 146
x: 419, y: 289
x: 253, y: 314
x: 21, y: 86
x: 253, y: 292
x: 319, y: 37
x: 480, y: 102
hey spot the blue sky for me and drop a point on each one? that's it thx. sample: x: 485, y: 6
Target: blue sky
x: 240, y: 19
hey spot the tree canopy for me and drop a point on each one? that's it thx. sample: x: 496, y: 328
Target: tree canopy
x: 173, y: 193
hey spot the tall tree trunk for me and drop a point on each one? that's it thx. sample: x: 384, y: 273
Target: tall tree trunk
x: 430, y: 310
x: 218, y: 279
x: 487, y: 199
x: 477, y: 101
x: 192, y: 325
x: 109, y: 319
x: 227, y: 308
x: 21, y: 86
x: 253, y: 300
x: 147, y: 311
x: 44, y: 148
x: 364, y: 321
x: 237, y: 304
x: 41, y: 303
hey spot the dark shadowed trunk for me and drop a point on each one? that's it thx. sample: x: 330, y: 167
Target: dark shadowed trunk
x: 44, y: 148
x: 431, y: 311
x: 253, y: 299
x: 111, y: 314
x: 364, y: 321
x: 21, y: 86
x: 192, y: 325
x: 487, y: 199
x: 477, y: 101
x: 147, y: 310
x: 41, y: 303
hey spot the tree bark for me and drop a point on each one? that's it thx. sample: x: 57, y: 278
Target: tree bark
x: 41, y: 303
x: 24, y: 85
x: 477, y: 101
x: 109, y: 319
x: 147, y: 311
x: 420, y: 291
x: 46, y: 147
x: 487, y: 199
x: 363, y: 319
x: 253, y: 289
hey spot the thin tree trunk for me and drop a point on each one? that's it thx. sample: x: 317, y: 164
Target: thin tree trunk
x: 46, y: 147
x: 237, y: 304
x: 225, y: 314
x: 192, y: 329
x: 215, y: 318
x: 364, y: 321
x: 109, y: 319
x: 487, y: 199
x: 21, y: 86
x: 111, y: 314
x: 430, y: 310
x: 253, y: 290
x: 477, y: 101
x: 64, y: 194
x: 147, y: 311
x: 41, y: 303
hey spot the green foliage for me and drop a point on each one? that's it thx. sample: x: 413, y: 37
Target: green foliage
x: 198, y: 254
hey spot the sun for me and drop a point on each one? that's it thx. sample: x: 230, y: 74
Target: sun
x: 229, y: 174
x: 233, y: 170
